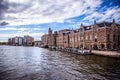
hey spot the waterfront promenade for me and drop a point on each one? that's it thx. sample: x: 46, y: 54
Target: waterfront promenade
x: 114, y: 54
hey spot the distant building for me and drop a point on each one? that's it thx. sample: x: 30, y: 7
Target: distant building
x: 28, y: 40
x: 44, y: 40
x: 13, y: 41
x: 9, y: 41
x: 37, y: 43
x: 19, y: 41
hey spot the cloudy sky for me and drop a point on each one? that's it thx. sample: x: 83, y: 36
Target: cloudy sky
x: 34, y: 17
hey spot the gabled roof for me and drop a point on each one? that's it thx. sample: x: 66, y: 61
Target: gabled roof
x: 118, y: 25
x: 75, y: 31
x: 105, y: 24
x: 87, y: 27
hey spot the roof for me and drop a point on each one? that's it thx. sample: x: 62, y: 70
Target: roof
x: 66, y: 33
x: 118, y: 25
x: 87, y: 27
x: 105, y: 24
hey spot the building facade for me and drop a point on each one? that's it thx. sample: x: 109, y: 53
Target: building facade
x: 98, y: 36
x: 28, y: 40
x: 62, y: 38
x: 49, y: 40
x: 103, y: 36
x: 19, y: 41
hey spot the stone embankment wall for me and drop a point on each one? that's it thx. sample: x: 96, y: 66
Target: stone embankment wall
x: 107, y: 53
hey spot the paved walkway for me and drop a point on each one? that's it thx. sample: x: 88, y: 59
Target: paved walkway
x: 107, y: 53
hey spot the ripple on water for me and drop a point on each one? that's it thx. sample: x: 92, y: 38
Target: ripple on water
x: 32, y: 63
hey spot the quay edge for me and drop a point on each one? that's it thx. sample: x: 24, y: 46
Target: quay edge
x: 113, y: 54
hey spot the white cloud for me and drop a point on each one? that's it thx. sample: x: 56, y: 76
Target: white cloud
x: 39, y: 11
x: 110, y: 13
x: 1, y: 29
x: 20, y: 29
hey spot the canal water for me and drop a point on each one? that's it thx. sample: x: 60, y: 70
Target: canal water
x: 33, y: 63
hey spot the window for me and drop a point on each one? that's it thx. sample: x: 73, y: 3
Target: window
x: 118, y: 38
x: 86, y: 37
x: 78, y: 39
x: 95, y: 40
x: 95, y: 36
x: 108, y: 46
x: 113, y: 37
x: 108, y: 37
x: 81, y: 38
x: 102, y: 46
x: 114, y: 46
x: 72, y: 39
x: 75, y: 39
x: 95, y: 29
x: 90, y: 37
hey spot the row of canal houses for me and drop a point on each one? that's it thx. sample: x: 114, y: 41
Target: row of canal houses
x: 103, y: 36
x: 21, y: 41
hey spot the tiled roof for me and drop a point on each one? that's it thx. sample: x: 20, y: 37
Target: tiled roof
x: 104, y: 24
x: 118, y: 25
x: 87, y: 27
x: 66, y: 33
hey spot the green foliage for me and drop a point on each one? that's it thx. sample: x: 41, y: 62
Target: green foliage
x: 3, y: 43
x: 33, y: 43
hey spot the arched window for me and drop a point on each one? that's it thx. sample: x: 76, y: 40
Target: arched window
x: 114, y: 46
x: 118, y: 38
x: 108, y: 37
x: 113, y: 37
x: 102, y: 46
x: 108, y: 46
x: 95, y: 47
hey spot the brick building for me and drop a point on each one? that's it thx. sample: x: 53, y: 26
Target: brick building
x: 28, y: 40
x: 62, y: 38
x: 102, y: 36
x: 49, y: 40
x: 44, y: 40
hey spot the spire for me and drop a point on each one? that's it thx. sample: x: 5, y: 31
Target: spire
x: 113, y: 20
x: 49, y: 29
x: 94, y: 21
x: 81, y: 24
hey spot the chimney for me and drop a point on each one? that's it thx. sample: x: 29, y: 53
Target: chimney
x: 113, y: 20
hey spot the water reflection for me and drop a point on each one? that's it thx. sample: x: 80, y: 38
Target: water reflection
x: 33, y: 63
